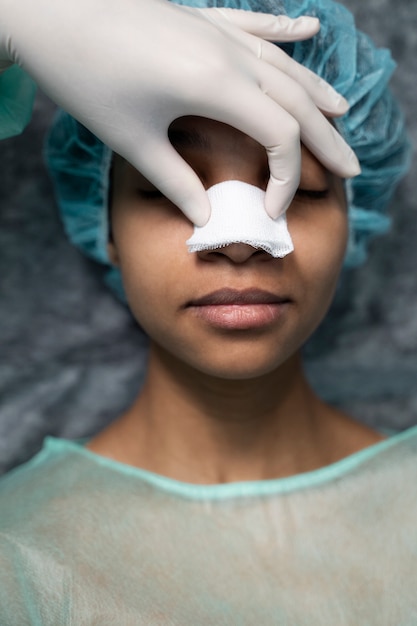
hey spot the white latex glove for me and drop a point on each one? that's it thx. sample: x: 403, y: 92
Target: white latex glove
x: 127, y: 68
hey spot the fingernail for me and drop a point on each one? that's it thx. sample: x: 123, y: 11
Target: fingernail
x: 275, y: 210
x: 351, y: 162
x: 201, y: 218
x: 303, y: 21
x: 311, y: 24
x: 355, y: 165
x: 307, y: 19
x: 341, y: 103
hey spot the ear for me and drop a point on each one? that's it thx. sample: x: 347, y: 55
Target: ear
x: 113, y: 254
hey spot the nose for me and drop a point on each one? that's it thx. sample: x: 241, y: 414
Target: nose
x: 234, y: 252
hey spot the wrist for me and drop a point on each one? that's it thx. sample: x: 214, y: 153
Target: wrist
x: 5, y: 60
x: 12, y: 13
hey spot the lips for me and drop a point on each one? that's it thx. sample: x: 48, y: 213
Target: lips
x: 230, y: 309
x: 223, y: 297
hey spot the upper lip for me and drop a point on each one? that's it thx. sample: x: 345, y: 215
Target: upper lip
x: 234, y: 296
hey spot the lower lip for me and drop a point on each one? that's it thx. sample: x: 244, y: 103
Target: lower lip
x: 241, y: 316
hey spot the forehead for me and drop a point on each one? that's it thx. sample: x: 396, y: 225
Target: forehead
x: 198, y: 135
x: 202, y: 141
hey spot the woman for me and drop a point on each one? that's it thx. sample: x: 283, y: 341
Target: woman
x: 228, y: 492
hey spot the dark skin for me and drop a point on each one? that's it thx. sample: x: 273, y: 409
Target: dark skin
x: 220, y: 406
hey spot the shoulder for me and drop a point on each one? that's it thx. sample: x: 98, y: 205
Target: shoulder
x: 385, y: 478
x: 27, y: 490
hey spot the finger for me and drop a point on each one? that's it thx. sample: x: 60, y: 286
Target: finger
x: 317, y: 134
x: 172, y: 176
x: 324, y: 96
x: 284, y: 178
x: 271, y: 27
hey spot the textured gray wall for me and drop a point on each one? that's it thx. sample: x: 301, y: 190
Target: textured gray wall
x: 70, y: 356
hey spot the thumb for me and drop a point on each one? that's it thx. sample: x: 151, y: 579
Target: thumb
x: 161, y: 164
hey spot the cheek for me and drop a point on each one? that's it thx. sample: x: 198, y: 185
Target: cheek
x: 320, y: 239
x: 153, y: 255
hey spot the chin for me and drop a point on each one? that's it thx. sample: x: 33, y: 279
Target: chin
x: 237, y: 374
x: 239, y: 365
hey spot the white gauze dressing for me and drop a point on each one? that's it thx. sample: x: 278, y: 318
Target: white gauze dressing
x: 238, y: 215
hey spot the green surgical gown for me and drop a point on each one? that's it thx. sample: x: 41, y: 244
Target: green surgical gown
x: 85, y: 540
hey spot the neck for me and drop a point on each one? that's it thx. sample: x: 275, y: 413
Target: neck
x: 196, y: 428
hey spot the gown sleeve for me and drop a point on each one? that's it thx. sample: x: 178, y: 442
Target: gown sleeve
x: 17, y: 94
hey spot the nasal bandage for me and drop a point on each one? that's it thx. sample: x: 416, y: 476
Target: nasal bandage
x: 238, y: 215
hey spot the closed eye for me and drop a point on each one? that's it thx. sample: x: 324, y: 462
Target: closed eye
x: 313, y: 194
x: 149, y: 194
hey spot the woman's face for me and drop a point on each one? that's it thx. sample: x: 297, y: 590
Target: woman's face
x: 175, y: 296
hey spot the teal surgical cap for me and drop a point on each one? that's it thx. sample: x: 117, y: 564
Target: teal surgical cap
x: 374, y: 127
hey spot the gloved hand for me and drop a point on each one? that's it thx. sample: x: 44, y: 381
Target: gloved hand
x: 127, y: 69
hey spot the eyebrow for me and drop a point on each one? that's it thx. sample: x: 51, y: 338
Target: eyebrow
x: 189, y: 139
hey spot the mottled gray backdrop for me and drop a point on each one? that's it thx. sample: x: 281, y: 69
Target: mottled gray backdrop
x: 71, y: 357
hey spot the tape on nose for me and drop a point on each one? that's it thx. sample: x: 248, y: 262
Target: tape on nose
x: 238, y: 216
